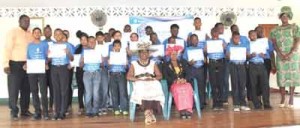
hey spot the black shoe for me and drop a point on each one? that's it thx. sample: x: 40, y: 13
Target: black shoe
x: 89, y: 115
x: 26, y: 114
x: 37, y: 116
x: 96, y: 115
x: 61, y: 117
x: 258, y: 108
x: 14, y: 117
x: 188, y: 115
x: 268, y: 107
x: 55, y: 117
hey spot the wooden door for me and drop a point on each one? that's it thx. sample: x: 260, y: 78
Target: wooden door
x: 267, y: 28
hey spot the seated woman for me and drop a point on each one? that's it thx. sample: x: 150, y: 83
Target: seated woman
x: 147, y: 90
x: 175, y: 71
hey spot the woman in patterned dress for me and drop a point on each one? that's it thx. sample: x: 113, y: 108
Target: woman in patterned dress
x: 147, y: 90
x: 286, y: 40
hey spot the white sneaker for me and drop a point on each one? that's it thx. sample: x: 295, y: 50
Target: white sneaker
x: 245, y: 108
x: 236, y: 109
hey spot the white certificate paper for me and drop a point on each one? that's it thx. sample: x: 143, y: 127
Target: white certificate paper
x: 76, y: 61
x: 257, y: 47
x: 118, y: 58
x: 92, y: 56
x: 264, y: 42
x: 57, y: 51
x: 195, y: 54
x: 133, y: 45
x: 215, y: 46
x: 159, y: 50
x: 36, y: 66
x: 180, y: 42
x: 238, y: 53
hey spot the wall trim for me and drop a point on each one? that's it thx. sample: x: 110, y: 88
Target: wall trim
x: 12, y: 12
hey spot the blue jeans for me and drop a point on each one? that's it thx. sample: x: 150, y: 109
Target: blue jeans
x: 225, y: 90
x: 118, y: 90
x: 91, y: 82
x: 104, y: 89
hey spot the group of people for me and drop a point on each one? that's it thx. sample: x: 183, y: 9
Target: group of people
x: 105, y: 63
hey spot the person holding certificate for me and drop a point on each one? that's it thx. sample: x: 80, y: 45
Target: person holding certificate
x: 194, y: 55
x: 237, y: 53
x: 214, y: 49
x: 83, y: 37
x: 258, y: 73
x: 90, y: 61
x: 36, y: 69
x: 147, y: 90
x: 117, y: 83
x: 71, y: 72
x: 60, y: 55
x: 243, y: 40
x: 48, y: 41
x: 132, y: 46
x: 103, y: 48
x: 175, y: 73
x: 158, y: 55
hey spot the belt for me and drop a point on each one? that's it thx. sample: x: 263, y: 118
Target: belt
x: 216, y: 61
x: 116, y: 73
x: 256, y: 63
x: 60, y: 65
x: 238, y: 63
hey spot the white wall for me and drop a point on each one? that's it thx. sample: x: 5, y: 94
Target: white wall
x: 83, y: 22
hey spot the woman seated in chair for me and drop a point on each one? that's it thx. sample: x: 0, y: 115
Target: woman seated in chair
x: 175, y: 71
x: 147, y: 90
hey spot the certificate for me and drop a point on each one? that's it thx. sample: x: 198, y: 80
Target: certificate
x: 215, y: 46
x: 102, y: 49
x: 133, y: 45
x: 76, y: 61
x: 180, y: 42
x: 118, y: 58
x: 159, y: 50
x: 36, y: 66
x: 257, y: 47
x: 264, y: 42
x: 195, y: 54
x: 57, y: 51
x: 92, y: 56
x: 238, y: 53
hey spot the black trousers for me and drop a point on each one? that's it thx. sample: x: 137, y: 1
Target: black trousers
x: 259, y: 80
x: 216, y: 77
x: 50, y: 86
x: 18, y: 82
x: 38, y: 83
x: 71, y: 71
x: 200, y: 76
x: 79, y: 80
x: 60, y: 81
x: 248, y: 84
x: 267, y: 63
x: 238, y: 83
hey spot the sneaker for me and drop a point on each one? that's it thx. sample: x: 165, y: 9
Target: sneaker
x: 117, y: 113
x: 55, y: 117
x: 125, y: 113
x: 245, y: 108
x: 104, y: 112
x: 81, y: 111
x: 236, y: 109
